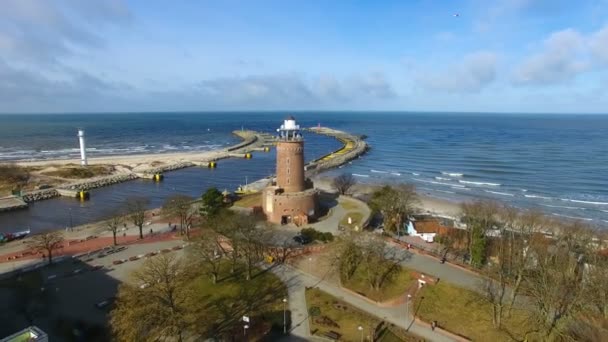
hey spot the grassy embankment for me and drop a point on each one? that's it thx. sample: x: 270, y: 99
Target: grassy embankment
x: 260, y: 298
x: 353, y: 211
x: 72, y: 171
x: 461, y: 311
x: 248, y: 201
x: 329, y: 314
x: 402, y: 281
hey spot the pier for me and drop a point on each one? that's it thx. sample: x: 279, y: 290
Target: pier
x: 352, y: 147
x: 252, y: 141
x: 12, y: 203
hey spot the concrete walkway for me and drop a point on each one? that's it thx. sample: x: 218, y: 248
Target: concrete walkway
x: 331, y: 223
x: 296, y: 282
x: 445, y: 272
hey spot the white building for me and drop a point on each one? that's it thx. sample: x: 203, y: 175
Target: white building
x: 426, y: 229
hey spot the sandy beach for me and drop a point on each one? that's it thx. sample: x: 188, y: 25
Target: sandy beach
x: 428, y: 204
x: 132, y: 161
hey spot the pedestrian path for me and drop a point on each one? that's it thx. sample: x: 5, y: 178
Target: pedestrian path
x: 297, y: 280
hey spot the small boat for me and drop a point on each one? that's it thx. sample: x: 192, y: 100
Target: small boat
x: 6, y: 237
x: 243, y: 190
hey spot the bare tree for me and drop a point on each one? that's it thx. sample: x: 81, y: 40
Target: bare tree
x: 343, y: 183
x: 596, y: 277
x: 113, y: 224
x: 480, y: 217
x: 380, y: 262
x: 160, y: 306
x: 556, y: 287
x: 46, y: 242
x: 206, y: 252
x: 524, y: 230
x: 395, y: 204
x: 226, y: 223
x: 136, y: 212
x: 182, y: 207
x: 250, y: 239
x: 347, y: 256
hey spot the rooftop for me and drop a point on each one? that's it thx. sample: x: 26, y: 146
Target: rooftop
x: 28, y: 334
x: 427, y: 226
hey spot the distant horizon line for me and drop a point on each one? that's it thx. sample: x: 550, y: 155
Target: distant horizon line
x: 306, y: 111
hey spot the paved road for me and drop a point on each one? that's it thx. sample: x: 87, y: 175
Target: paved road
x: 446, y: 272
x: 332, y: 221
x: 297, y: 280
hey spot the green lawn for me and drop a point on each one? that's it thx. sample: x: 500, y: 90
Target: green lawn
x: 233, y: 296
x: 398, y: 335
x: 338, y: 316
x: 349, y: 205
x: 460, y: 311
x: 248, y: 201
x: 400, y: 283
x: 356, y: 219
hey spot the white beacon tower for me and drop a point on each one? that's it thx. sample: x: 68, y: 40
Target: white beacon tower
x: 83, y: 148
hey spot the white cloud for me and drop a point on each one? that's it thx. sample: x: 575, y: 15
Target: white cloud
x: 293, y: 89
x: 41, y: 32
x: 599, y: 44
x: 558, y: 62
x: 472, y: 74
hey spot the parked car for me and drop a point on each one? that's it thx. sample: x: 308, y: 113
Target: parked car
x: 301, y: 239
x: 105, y: 303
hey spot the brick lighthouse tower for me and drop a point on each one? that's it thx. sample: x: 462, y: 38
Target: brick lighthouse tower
x: 291, y: 199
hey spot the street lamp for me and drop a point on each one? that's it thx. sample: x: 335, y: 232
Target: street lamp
x: 245, y: 327
x: 70, y: 211
x: 360, y: 328
x: 284, y: 315
x: 407, y: 308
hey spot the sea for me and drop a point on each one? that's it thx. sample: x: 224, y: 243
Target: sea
x: 557, y: 163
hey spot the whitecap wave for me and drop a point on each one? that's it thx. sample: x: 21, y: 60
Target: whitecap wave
x: 537, y: 196
x: 452, y: 174
x: 415, y: 174
x: 360, y: 175
x: 499, y: 193
x: 573, y: 217
x: 378, y: 171
x: 443, y: 179
x: 562, y: 206
x: 478, y: 183
x: 585, y: 202
x: 524, y: 190
x: 395, y: 174
x: 438, y: 183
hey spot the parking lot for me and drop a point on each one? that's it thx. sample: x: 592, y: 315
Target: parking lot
x: 76, y: 285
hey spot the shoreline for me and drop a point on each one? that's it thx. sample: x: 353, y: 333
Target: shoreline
x: 429, y: 204
x: 129, y: 167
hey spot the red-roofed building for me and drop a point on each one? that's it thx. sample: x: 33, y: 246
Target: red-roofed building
x: 425, y: 229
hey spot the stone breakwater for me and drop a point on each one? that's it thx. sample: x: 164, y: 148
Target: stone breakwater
x: 353, y: 147
x: 40, y: 195
x: 100, y: 182
x: 169, y: 167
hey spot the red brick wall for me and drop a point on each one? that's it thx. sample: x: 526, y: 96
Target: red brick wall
x: 290, y: 166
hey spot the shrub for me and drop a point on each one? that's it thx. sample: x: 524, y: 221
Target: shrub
x: 314, y: 234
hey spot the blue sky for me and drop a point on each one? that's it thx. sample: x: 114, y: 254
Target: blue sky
x: 119, y: 55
